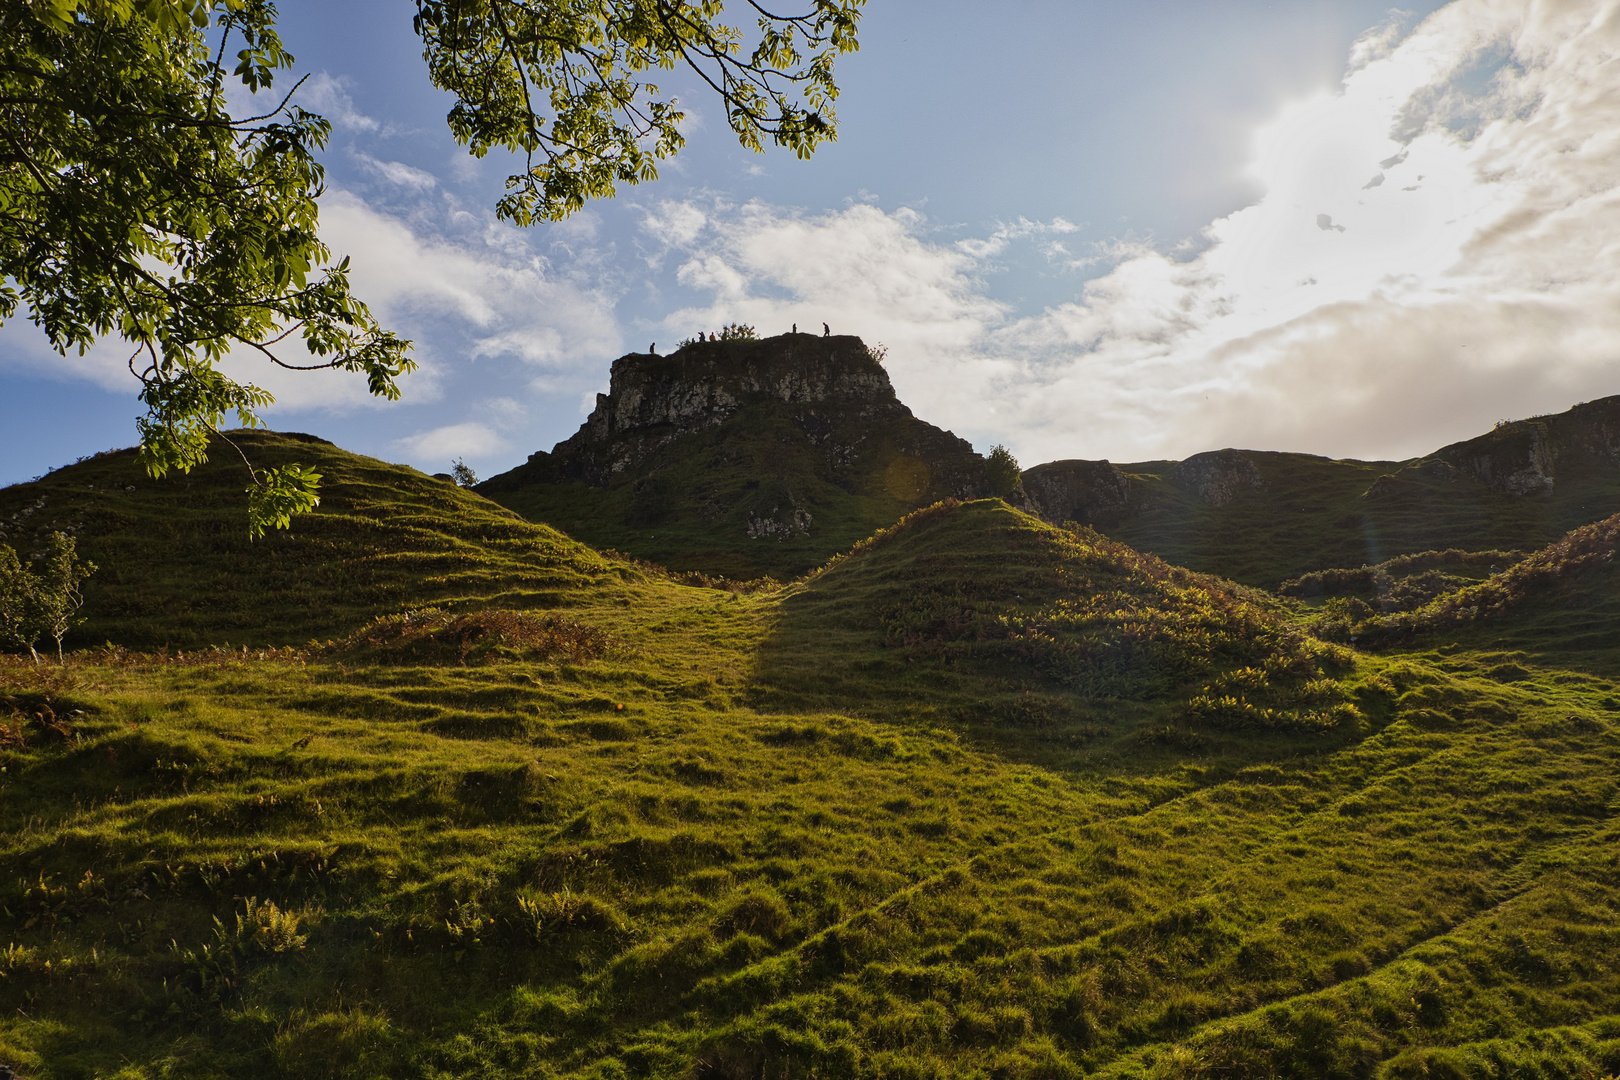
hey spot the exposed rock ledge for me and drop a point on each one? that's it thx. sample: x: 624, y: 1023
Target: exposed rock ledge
x: 653, y: 400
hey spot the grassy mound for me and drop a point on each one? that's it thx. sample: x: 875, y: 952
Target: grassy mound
x: 230, y: 865
x: 984, y: 798
x: 1403, y: 583
x: 1000, y: 618
x: 178, y: 569
x: 1561, y: 603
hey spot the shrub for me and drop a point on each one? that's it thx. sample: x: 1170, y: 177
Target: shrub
x: 1001, y: 472
x: 728, y: 332
x: 262, y: 927
x: 41, y: 601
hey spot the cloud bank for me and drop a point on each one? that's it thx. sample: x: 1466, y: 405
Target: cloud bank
x: 1438, y: 247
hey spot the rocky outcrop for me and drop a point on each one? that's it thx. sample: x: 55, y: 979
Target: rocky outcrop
x: 743, y: 458
x: 1527, y: 457
x: 1515, y: 459
x: 1218, y: 476
x: 654, y: 400
x: 1087, y: 492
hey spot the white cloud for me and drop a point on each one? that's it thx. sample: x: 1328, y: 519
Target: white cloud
x: 396, y: 172
x: 460, y: 300
x: 498, y: 298
x: 438, y: 447
x: 1479, y: 280
x: 329, y: 96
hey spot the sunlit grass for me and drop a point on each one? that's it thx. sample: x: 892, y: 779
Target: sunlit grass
x: 983, y: 798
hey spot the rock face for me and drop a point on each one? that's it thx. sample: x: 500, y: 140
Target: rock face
x: 1088, y: 492
x: 1218, y: 476
x: 655, y: 400
x: 1515, y: 459
x: 1528, y: 457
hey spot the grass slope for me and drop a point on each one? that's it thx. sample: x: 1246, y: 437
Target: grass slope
x: 692, y: 510
x: 984, y: 798
x: 1313, y: 513
x: 177, y: 568
x: 244, y: 866
x: 1559, y: 606
x: 990, y: 616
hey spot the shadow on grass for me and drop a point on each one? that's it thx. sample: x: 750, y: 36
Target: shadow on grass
x: 1051, y: 647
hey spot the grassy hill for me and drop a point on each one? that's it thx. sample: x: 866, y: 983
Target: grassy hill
x: 985, y: 797
x: 1012, y: 627
x: 1559, y: 606
x: 178, y: 568
x: 742, y: 458
x: 696, y: 504
x: 1309, y: 513
x: 766, y: 458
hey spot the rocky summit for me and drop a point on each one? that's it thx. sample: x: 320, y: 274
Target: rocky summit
x: 743, y: 458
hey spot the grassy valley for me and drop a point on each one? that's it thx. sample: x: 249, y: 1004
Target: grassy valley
x: 425, y: 790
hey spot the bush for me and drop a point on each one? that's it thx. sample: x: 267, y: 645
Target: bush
x: 41, y: 601
x: 1001, y: 472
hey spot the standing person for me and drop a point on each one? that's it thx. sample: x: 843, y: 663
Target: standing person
x: 824, y: 331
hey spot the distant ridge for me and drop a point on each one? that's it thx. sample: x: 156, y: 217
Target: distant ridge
x: 745, y: 458
x: 1261, y: 517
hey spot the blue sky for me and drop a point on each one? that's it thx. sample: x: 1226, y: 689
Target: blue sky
x: 1082, y: 229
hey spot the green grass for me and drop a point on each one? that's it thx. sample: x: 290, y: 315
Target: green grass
x: 689, y: 508
x: 179, y: 570
x: 1559, y: 606
x: 1314, y: 513
x: 965, y: 803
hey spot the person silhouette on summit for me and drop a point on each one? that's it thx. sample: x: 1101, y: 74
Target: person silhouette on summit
x: 824, y: 331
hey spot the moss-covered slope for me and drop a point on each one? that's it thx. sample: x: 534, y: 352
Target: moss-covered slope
x: 177, y: 567
x: 1010, y: 623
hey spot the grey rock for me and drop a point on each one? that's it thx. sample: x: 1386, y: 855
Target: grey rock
x: 1516, y: 459
x: 654, y: 400
x: 1088, y: 492
x: 1218, y: 476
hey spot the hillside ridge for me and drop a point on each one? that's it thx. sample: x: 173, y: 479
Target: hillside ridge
x: 767, y: 457
x: 743, y: 457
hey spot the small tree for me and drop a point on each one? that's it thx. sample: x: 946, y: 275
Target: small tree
x: 57, y: 592
x: 17, y: 607
x: 463, y: 473
x: 1001, y: 472
x: 738, y: 332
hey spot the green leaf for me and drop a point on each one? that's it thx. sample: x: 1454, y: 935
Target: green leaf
x: 278, y: 494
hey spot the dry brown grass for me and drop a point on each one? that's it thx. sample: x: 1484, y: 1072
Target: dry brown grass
x: 436, y: 637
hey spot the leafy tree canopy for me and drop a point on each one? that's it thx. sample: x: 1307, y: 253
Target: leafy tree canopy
x: 41, y: 600
x: 134, y: 203
x: 1002, y: 472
